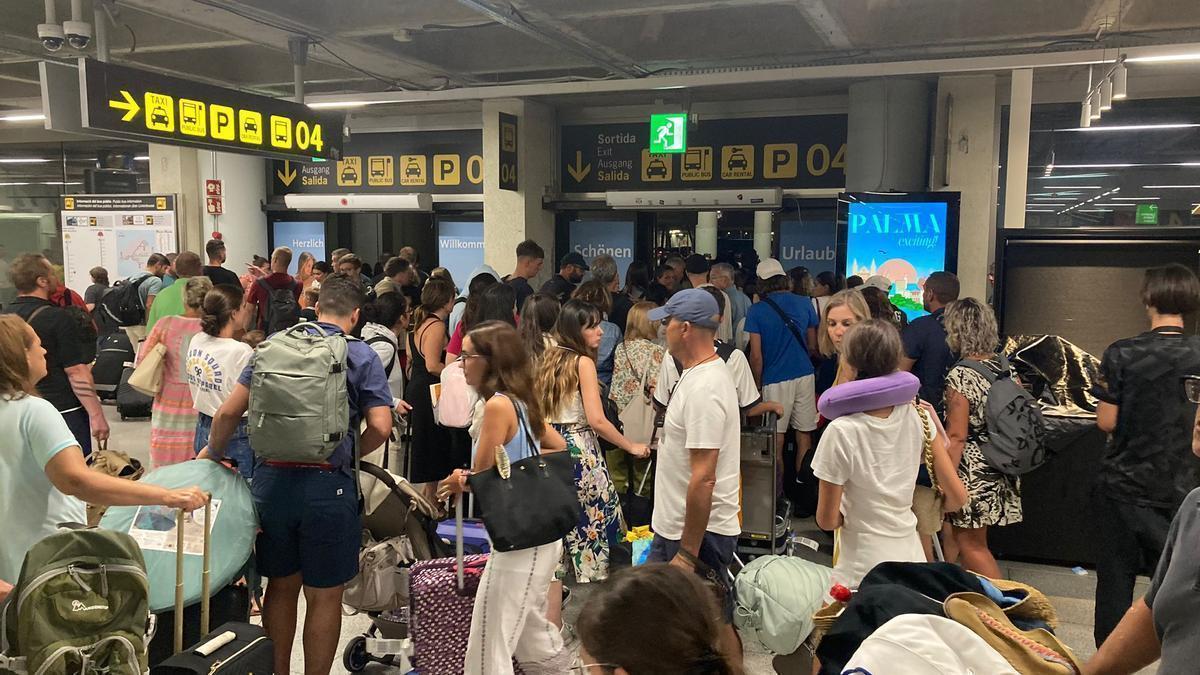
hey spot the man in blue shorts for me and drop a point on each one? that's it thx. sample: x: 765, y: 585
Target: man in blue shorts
x: 309, y: 515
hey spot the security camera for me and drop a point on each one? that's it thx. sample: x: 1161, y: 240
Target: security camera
x: 52, y: 36
x: 79, y: 33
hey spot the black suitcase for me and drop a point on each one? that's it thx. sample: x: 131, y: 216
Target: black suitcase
x: 249, y: 652
x: 130, y: 401
x: 115, y: 351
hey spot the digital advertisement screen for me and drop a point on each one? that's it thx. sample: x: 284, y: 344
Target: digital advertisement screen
x: 300, y: 236
x: 460, y: 248
x: 590, y: 238
x: 904, y: 241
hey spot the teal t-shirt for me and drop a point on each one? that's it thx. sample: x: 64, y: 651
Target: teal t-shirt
x: 31, y: 505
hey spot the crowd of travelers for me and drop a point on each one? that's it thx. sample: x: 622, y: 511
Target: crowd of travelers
x: 647, y: 377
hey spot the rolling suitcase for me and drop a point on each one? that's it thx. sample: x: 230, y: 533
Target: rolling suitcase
x: 132, y: 403
x: 235, y: 648
x: 114, y: 352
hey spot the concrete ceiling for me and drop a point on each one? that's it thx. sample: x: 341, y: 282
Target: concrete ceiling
x: 386, y: 45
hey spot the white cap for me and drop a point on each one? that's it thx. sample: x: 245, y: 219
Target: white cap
x: 879, y: 281
x: 770, y: 268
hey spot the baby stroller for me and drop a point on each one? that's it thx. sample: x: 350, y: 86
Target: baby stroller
x: 399, y: 529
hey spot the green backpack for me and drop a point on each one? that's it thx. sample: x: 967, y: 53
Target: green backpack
x: 299, y: 408
x: 81, y: 605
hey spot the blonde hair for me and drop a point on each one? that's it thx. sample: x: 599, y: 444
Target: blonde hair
x: 971, y: 328
x: 16, y: 337
x: 638, y: 326
x: 852, y: 298
x: 194, y: 292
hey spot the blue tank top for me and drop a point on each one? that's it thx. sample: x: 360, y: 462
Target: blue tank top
x: 523, y: 443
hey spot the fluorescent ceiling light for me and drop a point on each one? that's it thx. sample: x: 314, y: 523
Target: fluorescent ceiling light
x: 1073, y: 175
x: 1099, y: 166
x: 1137, y: 199
x: 1078, y: 187
x: 1119, y: 206
x: 1039, y: 210
x: 341, y: 104
x: 1051, y: 199
x: 1134, y: 127
x: 8, y: 184
x: 23, y: 160
x: 1164, y: 58
x: 1095, y: 210
x: 59, y: 182
x: 142, y: 158
x: 22, y: 117
x: 1171, y: 187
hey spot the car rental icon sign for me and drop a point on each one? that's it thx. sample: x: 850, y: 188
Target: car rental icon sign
x: 123, y: 102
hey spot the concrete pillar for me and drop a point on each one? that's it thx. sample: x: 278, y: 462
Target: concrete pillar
x: 763, y: 226
x: 243, y: 226
x: 511, y: 217
x: 706, y: 233
x: 1017, y: 174
x: 174, y: 171
x: 887, y: 136
x: 966, y: 148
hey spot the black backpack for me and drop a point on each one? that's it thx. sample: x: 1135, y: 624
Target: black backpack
x: 1016, y: 431
x: 282, y: 311
x: 122, y: 304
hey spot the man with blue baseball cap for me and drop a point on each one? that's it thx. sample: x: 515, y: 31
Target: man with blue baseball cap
x: 696, y: 482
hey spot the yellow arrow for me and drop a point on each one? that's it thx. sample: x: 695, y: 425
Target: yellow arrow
x: 287, y: 175
x: 129, y: 105
x: 580, y: 170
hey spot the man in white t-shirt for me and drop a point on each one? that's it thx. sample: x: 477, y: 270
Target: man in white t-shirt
x: 696, y: 482
x: 750, y: 401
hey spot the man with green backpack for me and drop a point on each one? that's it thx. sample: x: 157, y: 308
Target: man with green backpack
x: 307, y: 389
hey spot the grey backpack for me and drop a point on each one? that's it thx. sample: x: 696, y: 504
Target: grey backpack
x: 299, y: 408
x: 1016, y: 431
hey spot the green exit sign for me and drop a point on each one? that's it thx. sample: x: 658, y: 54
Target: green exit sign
x: 1147, y: 214
x: 668, y: 133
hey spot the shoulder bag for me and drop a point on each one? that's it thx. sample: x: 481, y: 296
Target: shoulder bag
x: 148, y: 376
x: 787, y: 321
x: 529, y: 502
x: 927, y: 500
x: 456, y: 404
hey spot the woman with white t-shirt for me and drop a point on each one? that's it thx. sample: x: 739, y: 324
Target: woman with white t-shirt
x: 44, y: 479
x: 868, y: 462
x: 214, y: 362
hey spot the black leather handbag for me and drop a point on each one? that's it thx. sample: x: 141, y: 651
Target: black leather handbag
x: 530, y: 502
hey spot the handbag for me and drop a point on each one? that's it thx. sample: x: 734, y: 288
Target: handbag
x: 927, y: 501
x: 529, y: 502
x: 382, y: 580
x: 456, y: 403
x: 637, y: 418
x: 147, y: 377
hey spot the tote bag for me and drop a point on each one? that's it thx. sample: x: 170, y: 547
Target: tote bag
x: 148, y: 376
x: 637, y: 419
x: 456, y: 404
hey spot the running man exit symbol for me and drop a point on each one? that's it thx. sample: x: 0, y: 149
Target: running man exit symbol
x: 668, y: 133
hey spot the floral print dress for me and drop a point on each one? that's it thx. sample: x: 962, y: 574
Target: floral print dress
x: 993, y: 499
x: 600, y: 526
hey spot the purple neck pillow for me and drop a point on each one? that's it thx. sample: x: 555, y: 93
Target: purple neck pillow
x: 869, y: 394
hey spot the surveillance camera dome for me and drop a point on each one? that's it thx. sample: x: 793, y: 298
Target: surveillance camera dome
x: 79, y: 33
x: 52, y: 36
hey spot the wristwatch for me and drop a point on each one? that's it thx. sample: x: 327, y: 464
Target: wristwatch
x: 687, y: 555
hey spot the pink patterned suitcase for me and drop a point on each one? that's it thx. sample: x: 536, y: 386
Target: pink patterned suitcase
x: 441, y: 613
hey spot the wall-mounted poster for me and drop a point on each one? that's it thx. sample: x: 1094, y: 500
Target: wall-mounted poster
x: 902, y: 237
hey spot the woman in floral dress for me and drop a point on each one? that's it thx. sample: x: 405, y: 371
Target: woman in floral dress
x: 569, y: 393
x: 636, y: 364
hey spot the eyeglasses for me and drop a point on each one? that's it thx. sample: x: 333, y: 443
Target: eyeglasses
x: 1191, y: 387
x: 468, y: 355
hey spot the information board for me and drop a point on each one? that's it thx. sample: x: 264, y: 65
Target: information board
x: 460, y: 248
x: 300, y: 236
x: 116, y: 232
x: 590, y: 238
x: 437, y: 162
x: 130, y: 103
x: 789, y: 152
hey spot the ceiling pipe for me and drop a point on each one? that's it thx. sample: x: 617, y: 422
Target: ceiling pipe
x: 552, y: 38
x: 298, y: 46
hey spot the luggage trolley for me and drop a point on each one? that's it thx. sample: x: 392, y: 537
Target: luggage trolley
x: 764, y: 528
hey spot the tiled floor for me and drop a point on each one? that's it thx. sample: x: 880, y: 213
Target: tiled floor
x: 1071, y: 594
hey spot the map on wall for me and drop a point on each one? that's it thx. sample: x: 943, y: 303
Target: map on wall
x: 116, y: 232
